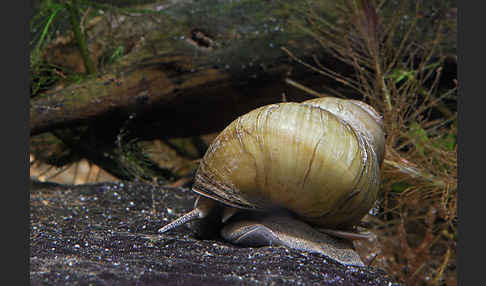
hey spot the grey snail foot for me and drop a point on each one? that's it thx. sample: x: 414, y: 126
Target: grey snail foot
x: 286, y: 231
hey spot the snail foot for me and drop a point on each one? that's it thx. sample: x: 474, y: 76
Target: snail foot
x: 284, y: 230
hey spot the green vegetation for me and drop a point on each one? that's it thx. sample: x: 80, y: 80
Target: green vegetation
x: 60, y: 23
x: 397, y: 54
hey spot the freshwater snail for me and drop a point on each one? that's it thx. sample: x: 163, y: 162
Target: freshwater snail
x: 288, y: 173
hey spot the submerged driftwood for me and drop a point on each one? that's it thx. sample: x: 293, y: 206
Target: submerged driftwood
x: 197, y: 64
x: 182, y: 65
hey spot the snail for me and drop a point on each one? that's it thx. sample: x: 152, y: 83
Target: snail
x: 300, y: 175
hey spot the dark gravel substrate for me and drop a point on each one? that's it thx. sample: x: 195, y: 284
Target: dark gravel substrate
x: 106, y: 234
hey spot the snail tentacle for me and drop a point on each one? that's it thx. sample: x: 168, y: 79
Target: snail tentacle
x: 347, y: 234
x: 228, y: 212
x: 202, y: 208
x: 190, y: 216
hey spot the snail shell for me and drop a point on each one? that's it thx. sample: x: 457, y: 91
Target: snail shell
x: 319, y: 159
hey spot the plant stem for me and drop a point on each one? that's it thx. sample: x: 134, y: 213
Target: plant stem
x: 383, y: 87
x: 83, y: 48
x: 304, y: 88
x: 46, y: 29
x: 416, y: 173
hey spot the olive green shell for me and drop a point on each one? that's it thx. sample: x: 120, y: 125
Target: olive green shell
x: 319, y: 159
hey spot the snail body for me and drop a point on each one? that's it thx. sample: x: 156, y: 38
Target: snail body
x: 318, y: 160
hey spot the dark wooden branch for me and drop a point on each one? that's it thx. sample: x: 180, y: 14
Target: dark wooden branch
x: 191, y: 68
x: 182, y: 60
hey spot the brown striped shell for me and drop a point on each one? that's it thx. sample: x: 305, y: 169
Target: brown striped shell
x: 320, y: 159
